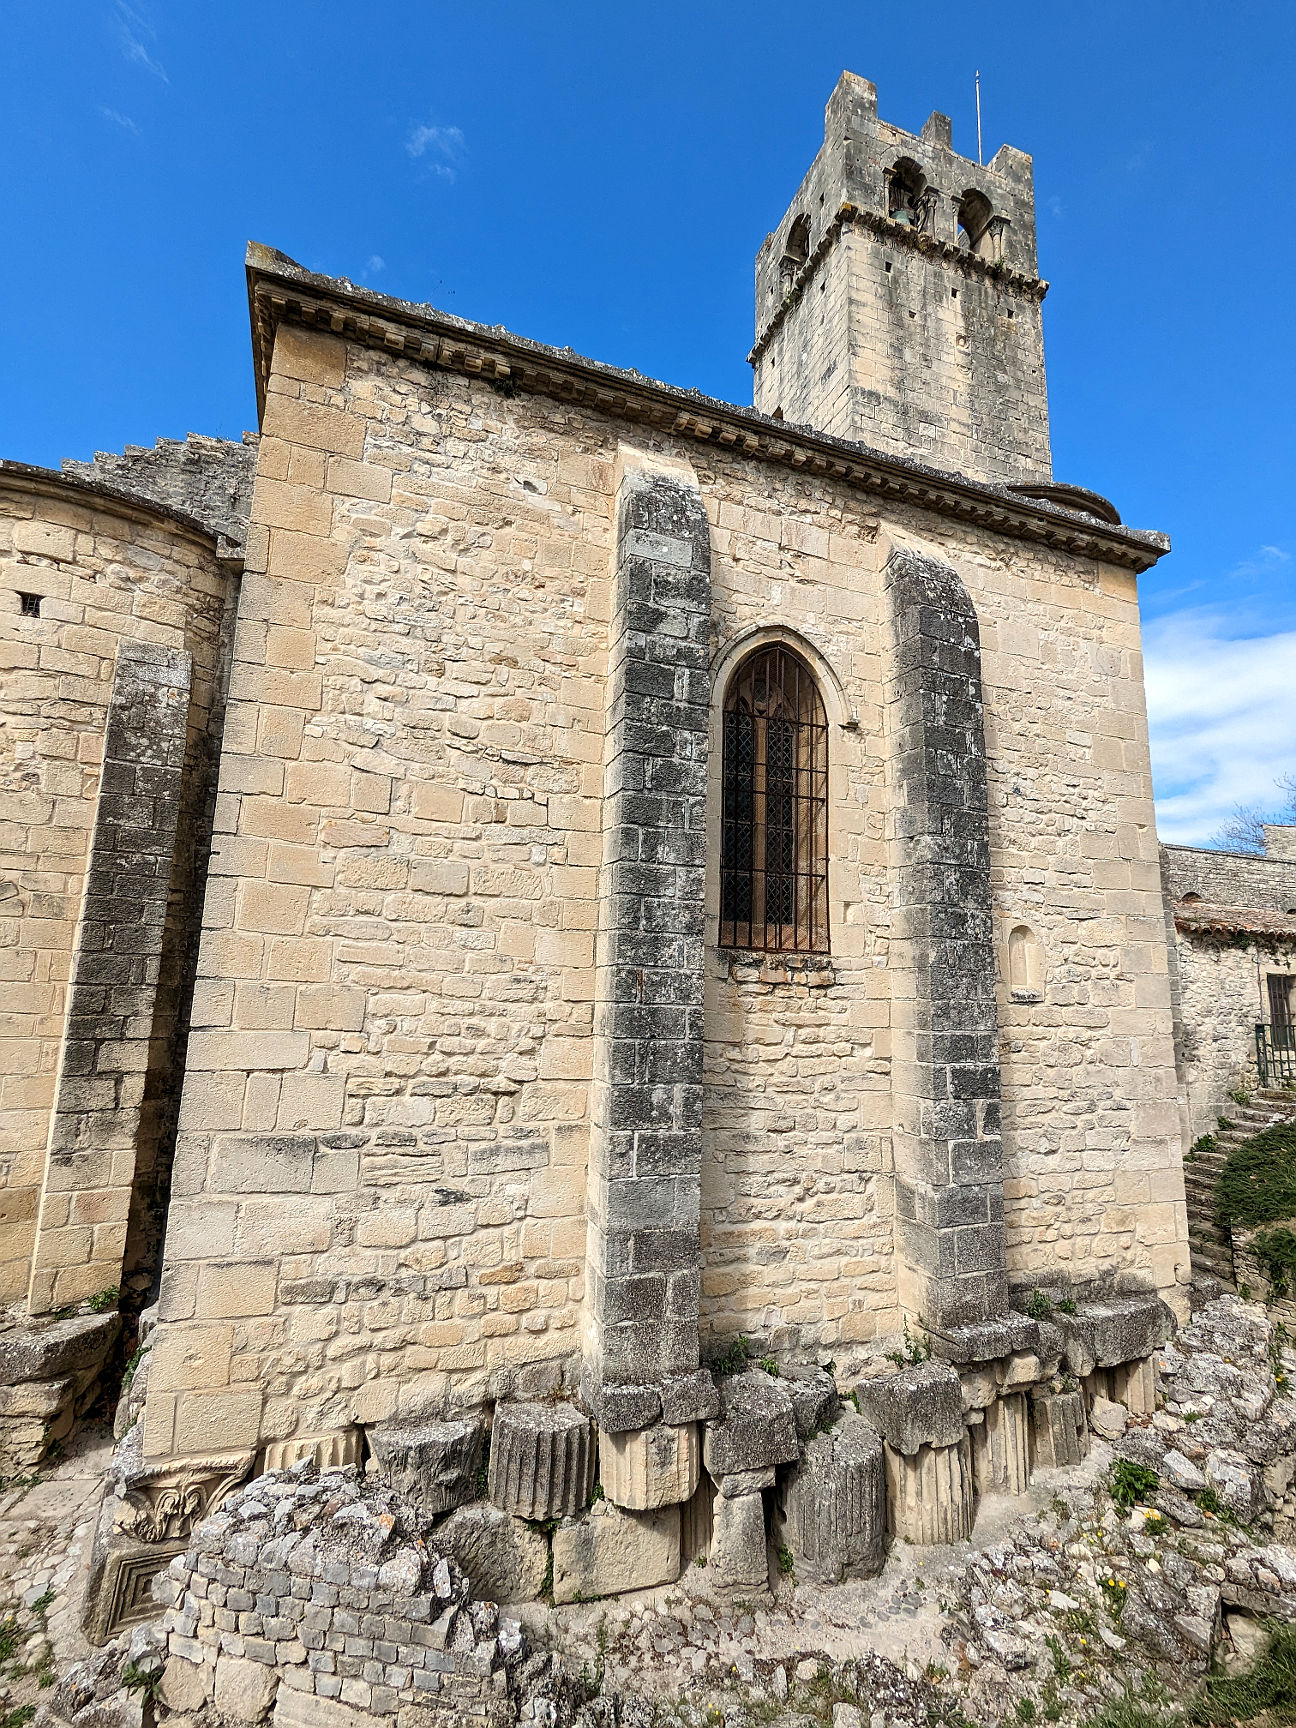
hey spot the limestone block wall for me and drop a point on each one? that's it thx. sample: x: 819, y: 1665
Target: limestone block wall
x: 1266, y: 884
x: 1222, y: 994
x: 379, y: 1199
x: 1093, y: 1179
x: 107, y: 577
x: 797, y: 1214
x: 381, y: 1173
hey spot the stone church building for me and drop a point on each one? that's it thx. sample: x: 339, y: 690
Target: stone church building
x: 518, y: 877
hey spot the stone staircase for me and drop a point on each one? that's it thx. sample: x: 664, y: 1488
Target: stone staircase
x: 1212, y: 1246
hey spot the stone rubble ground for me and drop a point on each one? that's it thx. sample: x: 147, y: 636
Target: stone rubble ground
x: 46, y: 1528
x: 1024, y: 1612
x: 1050, y: 1612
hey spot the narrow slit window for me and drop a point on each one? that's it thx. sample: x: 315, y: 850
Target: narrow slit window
x: 774, y: 818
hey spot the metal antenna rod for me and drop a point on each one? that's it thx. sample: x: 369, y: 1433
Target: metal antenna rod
x: 980, y: 159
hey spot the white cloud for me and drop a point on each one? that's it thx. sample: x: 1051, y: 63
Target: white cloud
x: 122, y: 120
x: 437, y: 147
x: 373, y: 267
x: 1222, y: 715
x: 134, y: 31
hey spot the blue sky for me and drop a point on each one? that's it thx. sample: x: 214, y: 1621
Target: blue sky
x: 601, y: 176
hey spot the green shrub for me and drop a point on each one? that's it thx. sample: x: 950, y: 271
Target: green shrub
x: 1129, y: 1482
x: 1276, y: 1251
x: 1258, y: 1182
x: 1038, y: 1307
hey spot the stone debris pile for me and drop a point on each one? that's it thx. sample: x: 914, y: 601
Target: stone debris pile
x: 308, y: 1588
x: 1167, y: 1554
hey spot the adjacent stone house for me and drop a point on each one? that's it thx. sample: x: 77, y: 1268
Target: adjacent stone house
x: 677, y: 872
x: 1233, y: 969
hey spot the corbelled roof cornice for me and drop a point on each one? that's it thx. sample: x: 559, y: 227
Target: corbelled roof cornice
x: 281, y: 291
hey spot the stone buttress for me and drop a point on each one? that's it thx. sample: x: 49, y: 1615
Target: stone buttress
x: 641, y: 1354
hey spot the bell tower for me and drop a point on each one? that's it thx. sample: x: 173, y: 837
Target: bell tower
x: 898, y: 302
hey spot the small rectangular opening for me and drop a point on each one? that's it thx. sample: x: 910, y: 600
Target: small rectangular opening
x: 29, y: 605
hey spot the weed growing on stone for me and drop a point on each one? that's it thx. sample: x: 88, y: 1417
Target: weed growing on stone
x: 735, y: 1358
x: 1115, y: 1593
x: 768, y: 1365
x: 103, y: 1300
x: 1038, y: 1307
x: 143, y: 1682
x: 1063, y: 1667
x: 1129, y: 1483
x: 913, y: 1351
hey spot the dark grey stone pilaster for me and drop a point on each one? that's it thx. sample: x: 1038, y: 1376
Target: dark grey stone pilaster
x: 949, y: 1186
x: 646, y: 1098
x: 112, y: 997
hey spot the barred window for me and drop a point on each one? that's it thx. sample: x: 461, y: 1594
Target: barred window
x: 774, y: 821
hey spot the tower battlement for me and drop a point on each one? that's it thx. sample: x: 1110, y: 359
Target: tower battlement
x: 898, y: 300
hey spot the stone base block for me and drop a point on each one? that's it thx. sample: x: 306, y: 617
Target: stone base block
x: 1001, y: 1447
x: 739, y: 1563
x: 918, y: 1406
x: 434, y: 1464
x: 655, y: 1467
x: 815, y: 1403
x: 1115, y: 1331
x: 542, y: 1460
x: 930, y: 1497
x: 1059, y: 1430
x: 331, y: 1451
x: 757, y: 1427
x: 49, y: 1370
x: 832, y: 1508
x: 506, y: 1560
x: 1134, y: 1386
x: 607, y: 1551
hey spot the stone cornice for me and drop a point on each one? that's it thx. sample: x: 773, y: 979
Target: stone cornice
x: 25, y: 479
x: 280, y: 291
x: 969, y: 264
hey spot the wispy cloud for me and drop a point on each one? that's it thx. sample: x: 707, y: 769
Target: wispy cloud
x: 1221, y: 716
x: 134, y: 32
x: 122, y: 120
x: 439, y: 148
x: 373, y: 267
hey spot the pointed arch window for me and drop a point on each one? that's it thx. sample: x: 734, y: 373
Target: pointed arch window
x: 774, y: 827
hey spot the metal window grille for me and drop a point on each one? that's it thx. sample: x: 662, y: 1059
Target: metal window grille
x: 774, y: 820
